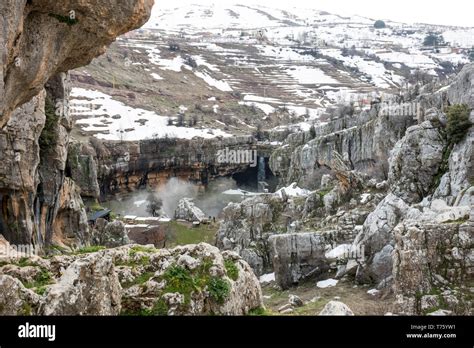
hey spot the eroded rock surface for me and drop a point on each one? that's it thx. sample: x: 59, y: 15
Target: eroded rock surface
x: 42, y: 40
x: 133, y: 279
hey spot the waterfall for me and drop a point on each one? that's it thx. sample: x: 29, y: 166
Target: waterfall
x: 261, y: 175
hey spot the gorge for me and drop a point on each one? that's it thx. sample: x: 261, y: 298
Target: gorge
x: 363, y: 178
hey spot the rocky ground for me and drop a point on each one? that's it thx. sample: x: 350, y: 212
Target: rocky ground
x: 314, y: 299
x: 130, y: 280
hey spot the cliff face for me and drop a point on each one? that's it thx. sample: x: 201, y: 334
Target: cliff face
x: 364, y: 141
x: 107, y: 167
x: 43, y: 40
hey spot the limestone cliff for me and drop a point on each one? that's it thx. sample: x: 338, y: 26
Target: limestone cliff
x: 108, y: 167
x: 43, y: 40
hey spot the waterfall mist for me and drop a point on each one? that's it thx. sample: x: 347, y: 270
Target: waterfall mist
x: 210, y: 199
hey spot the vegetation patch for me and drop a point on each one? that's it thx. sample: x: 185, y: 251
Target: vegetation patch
x: 458, y: 123
x: 180, y: 280
x: 41, y: 280
x: 182, y: 234
x: 141, y: 249
x: 49, y: 135
x: 90, y: 249
x: 231, y: 269
x: 65, y: 19
x: 260, y: 311
x: 219, y: 289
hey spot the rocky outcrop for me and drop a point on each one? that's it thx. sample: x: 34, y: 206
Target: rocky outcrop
x: 187, y: 210
x: 19, y: 153
x: 138, y: 280
x: 429, y: 180
x: 433, y: 267
x: 247, y: 226
x: 110, y: 234
x: 82, y: 168
x: 363, y: 140
x: 415, y: 161
x: 88, y: 286
x: 43, y: 40
x: 70, y: 226
x: 298, y: 256
x: 15, y: 299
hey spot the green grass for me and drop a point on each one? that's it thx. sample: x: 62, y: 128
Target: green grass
x: 143, y: 249
x: 182, y: 234
x: 260, y: 311
x: 90, y: 249
x: 95, y: 206
x: 26, y: 309
x: 41, y: 290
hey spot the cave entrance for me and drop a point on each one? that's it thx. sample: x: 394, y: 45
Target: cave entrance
x: 258, y: 179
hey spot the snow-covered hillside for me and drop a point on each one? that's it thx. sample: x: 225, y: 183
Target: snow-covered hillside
x: 236, y: 68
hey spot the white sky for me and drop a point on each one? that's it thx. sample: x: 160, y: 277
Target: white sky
x: 446, y: 12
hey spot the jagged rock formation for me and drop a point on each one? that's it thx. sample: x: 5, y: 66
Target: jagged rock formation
x: 398, y: 225
x: 297, y: 256
x: 433, y: 267
x: 416, y: 179
x: 43, y: 40
x: 70, y: 226
x: 364, y: 141
x: 140, y: 280
x: 267, y: 230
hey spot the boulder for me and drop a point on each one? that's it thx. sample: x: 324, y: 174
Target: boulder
x: 187, y: 210
x: 336, y: 308
x: 88, y: 286
x: 415, y: 161
x: 110, y: 234
x: 15, y: 299
x: 297, y: 256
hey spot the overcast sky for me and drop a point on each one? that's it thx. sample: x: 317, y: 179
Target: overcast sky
x: 448, y: 12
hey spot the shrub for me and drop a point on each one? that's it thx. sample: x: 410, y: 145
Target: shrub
x: 471, y: 55
x: 231, y: 269
x: 433, y: 39
x: 458, y: 123
x: 379, y: 24
x: 219, y: 289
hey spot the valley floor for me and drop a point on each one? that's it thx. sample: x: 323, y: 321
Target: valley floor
x: 314, y: 298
